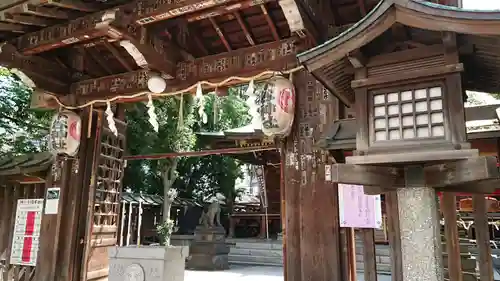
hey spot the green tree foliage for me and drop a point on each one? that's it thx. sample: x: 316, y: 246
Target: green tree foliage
x: 194, y: 177
x: 22, y: 130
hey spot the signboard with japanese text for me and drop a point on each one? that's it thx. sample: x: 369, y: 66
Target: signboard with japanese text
x: 358, y: 210
x: 25, y: 241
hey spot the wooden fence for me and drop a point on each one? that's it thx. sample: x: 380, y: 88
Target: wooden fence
x: 9, y: 196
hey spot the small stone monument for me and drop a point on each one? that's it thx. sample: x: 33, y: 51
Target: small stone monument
x: 150, y: 263
x: 209, y: 250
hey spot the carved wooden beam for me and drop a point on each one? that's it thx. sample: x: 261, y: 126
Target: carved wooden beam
x: 46, y: 75
x: 278, y: 55
x: 248, y: 61
x: 149, y: 11
x: 75, y: 31
x: 110, y: 86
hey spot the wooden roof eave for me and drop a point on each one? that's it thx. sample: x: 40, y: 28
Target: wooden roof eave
x: 411, y: 13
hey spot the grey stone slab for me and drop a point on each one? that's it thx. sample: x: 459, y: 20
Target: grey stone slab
x: 250, y: 273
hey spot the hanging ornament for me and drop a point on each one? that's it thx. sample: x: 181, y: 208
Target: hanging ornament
x: 251, y: 88
x: 151, y: 112
x: 201, y: 103
x: 253, y: 107
x: 65, y: 133
x: 277, y: 107
x: 110, y: 119
x: 181, y: 113
x: 216, y: 108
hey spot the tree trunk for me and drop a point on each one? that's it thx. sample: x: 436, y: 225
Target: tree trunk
x: 169, y: 176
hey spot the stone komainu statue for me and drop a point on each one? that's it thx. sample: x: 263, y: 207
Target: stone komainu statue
x: 211, y: 215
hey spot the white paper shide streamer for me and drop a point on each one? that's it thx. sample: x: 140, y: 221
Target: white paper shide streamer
x: 201, y: 102
x: 110, y: 119
x: 253, y: 106
x: 152, y: 114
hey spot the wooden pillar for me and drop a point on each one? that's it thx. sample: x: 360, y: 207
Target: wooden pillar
x: 482, y: 237
x: 394, y: 235
x: 312, y: 237
x: 60, y: 238
x: 51, y: 223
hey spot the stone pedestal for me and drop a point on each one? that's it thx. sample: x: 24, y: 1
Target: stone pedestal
x: 420, y: 237
x: 147, y: 263
x: 209, y: 250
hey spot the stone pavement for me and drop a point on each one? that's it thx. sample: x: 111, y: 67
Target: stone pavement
x: 250, y: 273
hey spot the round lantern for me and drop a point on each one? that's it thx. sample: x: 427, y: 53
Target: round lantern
x: 65, y: 131
x: 277, y: 107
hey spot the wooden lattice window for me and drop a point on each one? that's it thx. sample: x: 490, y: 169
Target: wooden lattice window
x: 109, y: 175
x: 408, y: 114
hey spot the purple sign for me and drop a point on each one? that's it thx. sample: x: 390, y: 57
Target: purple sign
x: 356, y: 209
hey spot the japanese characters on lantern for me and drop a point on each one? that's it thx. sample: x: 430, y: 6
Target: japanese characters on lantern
x: 65, y: 131
x: 277, y: 107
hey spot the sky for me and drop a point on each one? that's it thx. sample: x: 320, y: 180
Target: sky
x: 482, y: 5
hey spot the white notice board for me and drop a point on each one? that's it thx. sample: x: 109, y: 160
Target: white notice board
x: 25, y: 241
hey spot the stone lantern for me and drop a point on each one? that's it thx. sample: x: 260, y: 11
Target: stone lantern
x: 405, y: 65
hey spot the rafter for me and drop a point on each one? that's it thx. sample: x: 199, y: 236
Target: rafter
x: 46, y: 75
x: 221, y: 35
x: 244, y: 27
x: 117, y: 56
x: 99, y: 61
x: 270, y: 22
x: 224, y: 9
x: 149, y: 50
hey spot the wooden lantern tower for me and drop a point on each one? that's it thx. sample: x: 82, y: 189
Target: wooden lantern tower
x: 412, y: 61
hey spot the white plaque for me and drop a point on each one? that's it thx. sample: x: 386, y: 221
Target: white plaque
x: 52, y: 200
x: 328, y: 172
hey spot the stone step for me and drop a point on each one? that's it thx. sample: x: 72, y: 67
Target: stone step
x: 257, y: 252
x: 255, y: 260
x: 263, y: 245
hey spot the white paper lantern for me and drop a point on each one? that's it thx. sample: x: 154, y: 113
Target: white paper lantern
x: 277, y: 107
x: 156, y: 84
x: 65, y: 133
